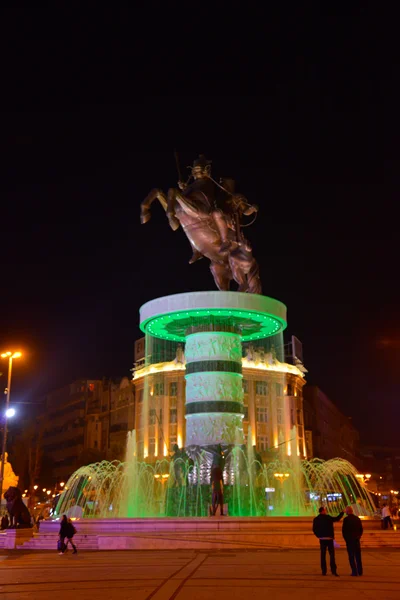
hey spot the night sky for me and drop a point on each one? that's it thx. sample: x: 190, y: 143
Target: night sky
x: 301, y: 113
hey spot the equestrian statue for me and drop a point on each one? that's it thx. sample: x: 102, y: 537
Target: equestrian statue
x: 211, y: 213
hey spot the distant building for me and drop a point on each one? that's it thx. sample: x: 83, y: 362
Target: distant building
x: 383, y: 464
x: 84, y: 422
x: 328, y: 432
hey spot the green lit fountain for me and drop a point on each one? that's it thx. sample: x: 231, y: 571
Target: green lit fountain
x: 213, y: 326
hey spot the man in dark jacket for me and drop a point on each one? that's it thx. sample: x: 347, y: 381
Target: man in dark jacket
x: 323, y: 529
x: 352, y: 531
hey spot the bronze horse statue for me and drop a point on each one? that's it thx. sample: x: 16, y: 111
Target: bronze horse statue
x: 19, y: 513
x: 210, y: 215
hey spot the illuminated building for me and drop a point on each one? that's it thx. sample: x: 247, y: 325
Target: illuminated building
x: 273, y: 403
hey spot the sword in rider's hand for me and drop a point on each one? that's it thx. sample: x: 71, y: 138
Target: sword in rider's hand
x: 181, y: 183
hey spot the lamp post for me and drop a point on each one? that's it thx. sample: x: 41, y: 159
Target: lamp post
x: 282, y: 476
x: 364, y: 477
x: 10, y: 356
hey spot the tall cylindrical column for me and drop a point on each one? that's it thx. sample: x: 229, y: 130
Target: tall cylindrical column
x: 214, y: 390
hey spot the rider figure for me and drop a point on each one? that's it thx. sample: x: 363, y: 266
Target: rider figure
x: 203, y: 183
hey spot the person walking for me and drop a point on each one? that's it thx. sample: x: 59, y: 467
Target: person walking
x: 67, y: 530
x: 352, y: 531
x: 387, y: 521
x: 323, y: 530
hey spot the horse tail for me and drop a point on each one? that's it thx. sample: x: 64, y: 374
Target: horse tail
x: 253, y: 279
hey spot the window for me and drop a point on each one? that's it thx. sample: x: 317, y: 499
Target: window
x: 152, y: 416
x: 159, y: 389
x: 261, y: 388
x: 279, y: 416
x: 279, y: 389
x: 292, y: 417
x: 299, y: 417
x: 262, y: 414
x: 172, y: 441
x: 91, y: 387
x: 140, y: 396
x: 160, y: 419
x: 245, y: 386
x: 246, y: 413
x: 95, y: 443
x: 173, y: 415
x: 173, y: 388
x: 289, y: 389
x: 152, y: 446
x: 262, y: 443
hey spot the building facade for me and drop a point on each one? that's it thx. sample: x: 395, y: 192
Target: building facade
x: 328, y: 432
x: 273, y: 405
x: 84, y: 422
x: 382, y: 463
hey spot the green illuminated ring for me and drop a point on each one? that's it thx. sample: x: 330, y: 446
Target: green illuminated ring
x: 171, y: 317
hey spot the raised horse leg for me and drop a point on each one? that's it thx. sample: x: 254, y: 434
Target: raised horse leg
x: 155, y: 194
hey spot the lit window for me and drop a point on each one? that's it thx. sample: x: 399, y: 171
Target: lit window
x: 159, y: 389
x: 262, y: 414
x: 173, y: 415
x: 261, y: 388
x: 262, y: 443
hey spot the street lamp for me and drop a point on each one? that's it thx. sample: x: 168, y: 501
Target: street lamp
x: 10, y: 356
x: 282, y: 476
x: 365, y: 477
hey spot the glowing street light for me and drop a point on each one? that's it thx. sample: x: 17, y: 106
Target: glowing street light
x: 10, y: 412
x: 282, y: 476
x: 10, y: 356
x: 35, y: 487
x: 365, y: 477
x: 62, y: 484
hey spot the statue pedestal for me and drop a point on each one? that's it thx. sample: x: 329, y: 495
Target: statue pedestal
x: 17, y: 537
x: 213, y: 326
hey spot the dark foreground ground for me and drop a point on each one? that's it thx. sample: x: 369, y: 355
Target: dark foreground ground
x: 187, y: 575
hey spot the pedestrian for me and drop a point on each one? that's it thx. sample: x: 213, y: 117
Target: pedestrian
x: 352, y: 531
x: 217, y: 490
x: 67, y: 530
x: 323, y: 529
x: 386, y: 517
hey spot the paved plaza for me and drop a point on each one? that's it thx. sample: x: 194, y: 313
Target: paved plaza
x: 188, y: 575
